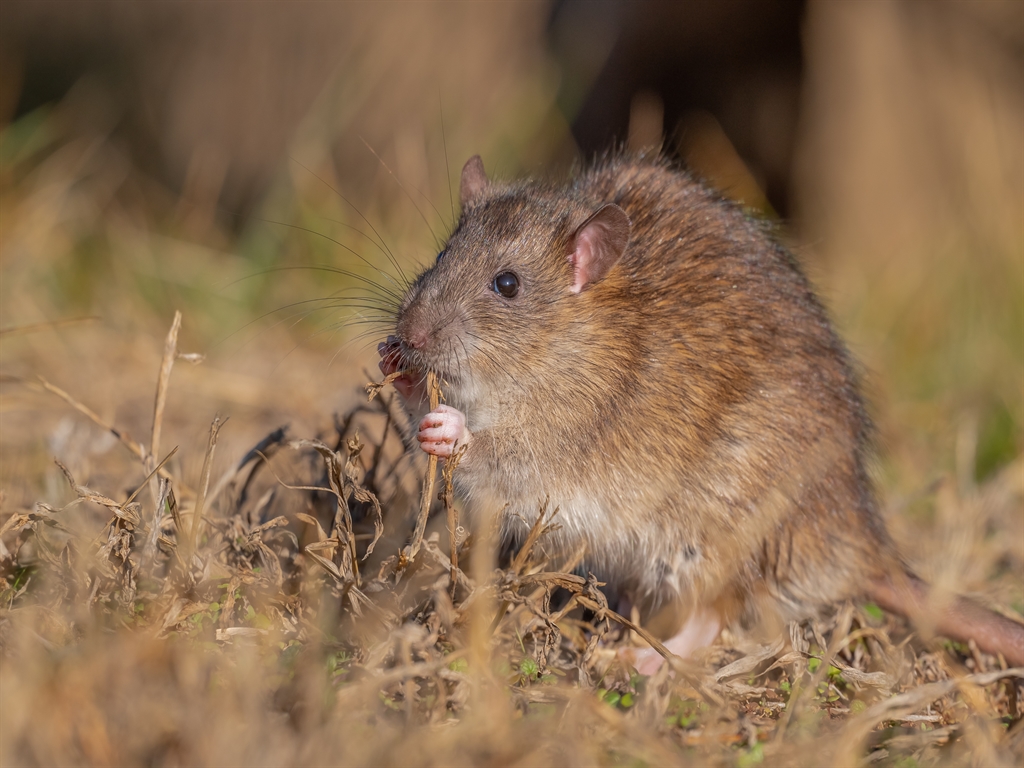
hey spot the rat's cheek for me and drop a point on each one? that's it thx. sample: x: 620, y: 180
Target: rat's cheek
x: 442, y: 431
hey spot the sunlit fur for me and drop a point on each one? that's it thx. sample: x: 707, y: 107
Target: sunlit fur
x: 692, y: 415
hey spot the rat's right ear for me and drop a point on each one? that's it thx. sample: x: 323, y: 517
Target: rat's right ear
x: 474, y: 180
x: 597, y: 244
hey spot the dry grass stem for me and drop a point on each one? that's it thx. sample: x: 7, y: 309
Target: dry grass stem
x: 204, y: 482
x: 451, y: 513
x: 298, y: 605
x: 434, y: 392
x: 53, y: 324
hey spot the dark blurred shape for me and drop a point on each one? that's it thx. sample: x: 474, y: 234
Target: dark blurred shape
x: 212, y: 99
x: 209, y: 95
x: 206, y: 95
x: 737, y: 61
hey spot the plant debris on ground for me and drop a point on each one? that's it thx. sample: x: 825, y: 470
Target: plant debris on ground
x: 179, y: 589
x: 175, y: 626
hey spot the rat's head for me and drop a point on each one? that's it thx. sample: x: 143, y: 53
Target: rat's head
x: 517, y: 272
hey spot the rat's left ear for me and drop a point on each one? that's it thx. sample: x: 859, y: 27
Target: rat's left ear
x: 473, y: 182
x: 597, y: 244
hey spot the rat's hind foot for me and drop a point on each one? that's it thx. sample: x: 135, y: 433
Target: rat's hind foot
x: 442, y: 431
x: 699, y: 630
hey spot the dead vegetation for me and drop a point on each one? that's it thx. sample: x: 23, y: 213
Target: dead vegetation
x: 180, y: 590
x: 200, y: 625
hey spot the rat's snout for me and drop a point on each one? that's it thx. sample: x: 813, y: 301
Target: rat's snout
x: 417, y: 339
x: 413, y: 324
x: 413, y: 330
x: 432, y: 336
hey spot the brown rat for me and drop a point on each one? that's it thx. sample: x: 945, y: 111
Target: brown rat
x: 646, y: 358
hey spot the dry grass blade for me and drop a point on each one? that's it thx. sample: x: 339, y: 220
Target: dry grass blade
x: 373, y: 388
x: 152, y: 473
x: 85, y: 410
x: 451, y: 514
x: 901, y: 705
x: 342, y: 485
x: 14, y: 330
x: 162, y: 497
x: 804, y: 693
x: 541, y: 526
x: 353, y: 486
x: 204, y: 482
x: 166, y: 364
x: 86, y: 494
x: 750, y: 662
x: 434, y: 390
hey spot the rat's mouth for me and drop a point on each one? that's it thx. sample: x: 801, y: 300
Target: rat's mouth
x: 416, y: 364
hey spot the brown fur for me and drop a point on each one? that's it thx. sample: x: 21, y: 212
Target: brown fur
x: 692, y: 413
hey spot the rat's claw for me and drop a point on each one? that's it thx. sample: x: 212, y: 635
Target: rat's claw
x: 442, y: 431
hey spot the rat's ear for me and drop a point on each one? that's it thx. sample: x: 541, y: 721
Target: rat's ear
x: 597, y: 244
x: 474, y: 180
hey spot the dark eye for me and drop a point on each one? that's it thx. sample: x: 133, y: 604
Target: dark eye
x: 439, y: 257
x: 507, y: 284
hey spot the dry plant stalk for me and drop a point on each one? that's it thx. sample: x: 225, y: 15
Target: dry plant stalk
x: 451, y: 514
x: 423, y: 684
x: 122, y: 436
x: 14, y: 330
x: 434, y: 390
x: 374, y: 387
x: 166, y: 364
x: 204, y: 483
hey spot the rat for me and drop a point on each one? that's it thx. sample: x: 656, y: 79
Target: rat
x: 643, y: 355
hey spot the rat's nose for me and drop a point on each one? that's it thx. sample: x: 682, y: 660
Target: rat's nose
x: 416, y: 339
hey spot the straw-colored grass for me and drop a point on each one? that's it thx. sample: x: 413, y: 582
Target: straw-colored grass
x: 222, y: 558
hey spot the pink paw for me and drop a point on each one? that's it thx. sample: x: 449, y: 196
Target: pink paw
x: 646, y: 661
x: 698, y: 631
x: 442, y: 430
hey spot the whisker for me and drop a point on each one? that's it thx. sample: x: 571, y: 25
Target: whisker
x: 333, y: 328
x: 391, y: 256
x: 340, y: 244
x: 383, y: 293
x: 350, y: 322
x: 487, y: 353
x: 273, y: 312
x: 447, y: 165
x: 402, y: 187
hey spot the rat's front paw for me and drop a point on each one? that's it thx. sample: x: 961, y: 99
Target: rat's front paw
x: 442, y: 431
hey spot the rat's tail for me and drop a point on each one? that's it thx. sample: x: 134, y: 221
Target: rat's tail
x: 960, y: 619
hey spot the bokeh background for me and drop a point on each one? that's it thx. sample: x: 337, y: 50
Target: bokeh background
x: 167, y: 156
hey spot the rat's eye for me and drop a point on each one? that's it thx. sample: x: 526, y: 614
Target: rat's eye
x: 439, y: 257
x: 507, y: 284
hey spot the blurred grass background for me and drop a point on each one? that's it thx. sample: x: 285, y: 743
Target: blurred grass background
x: 166, y: 157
